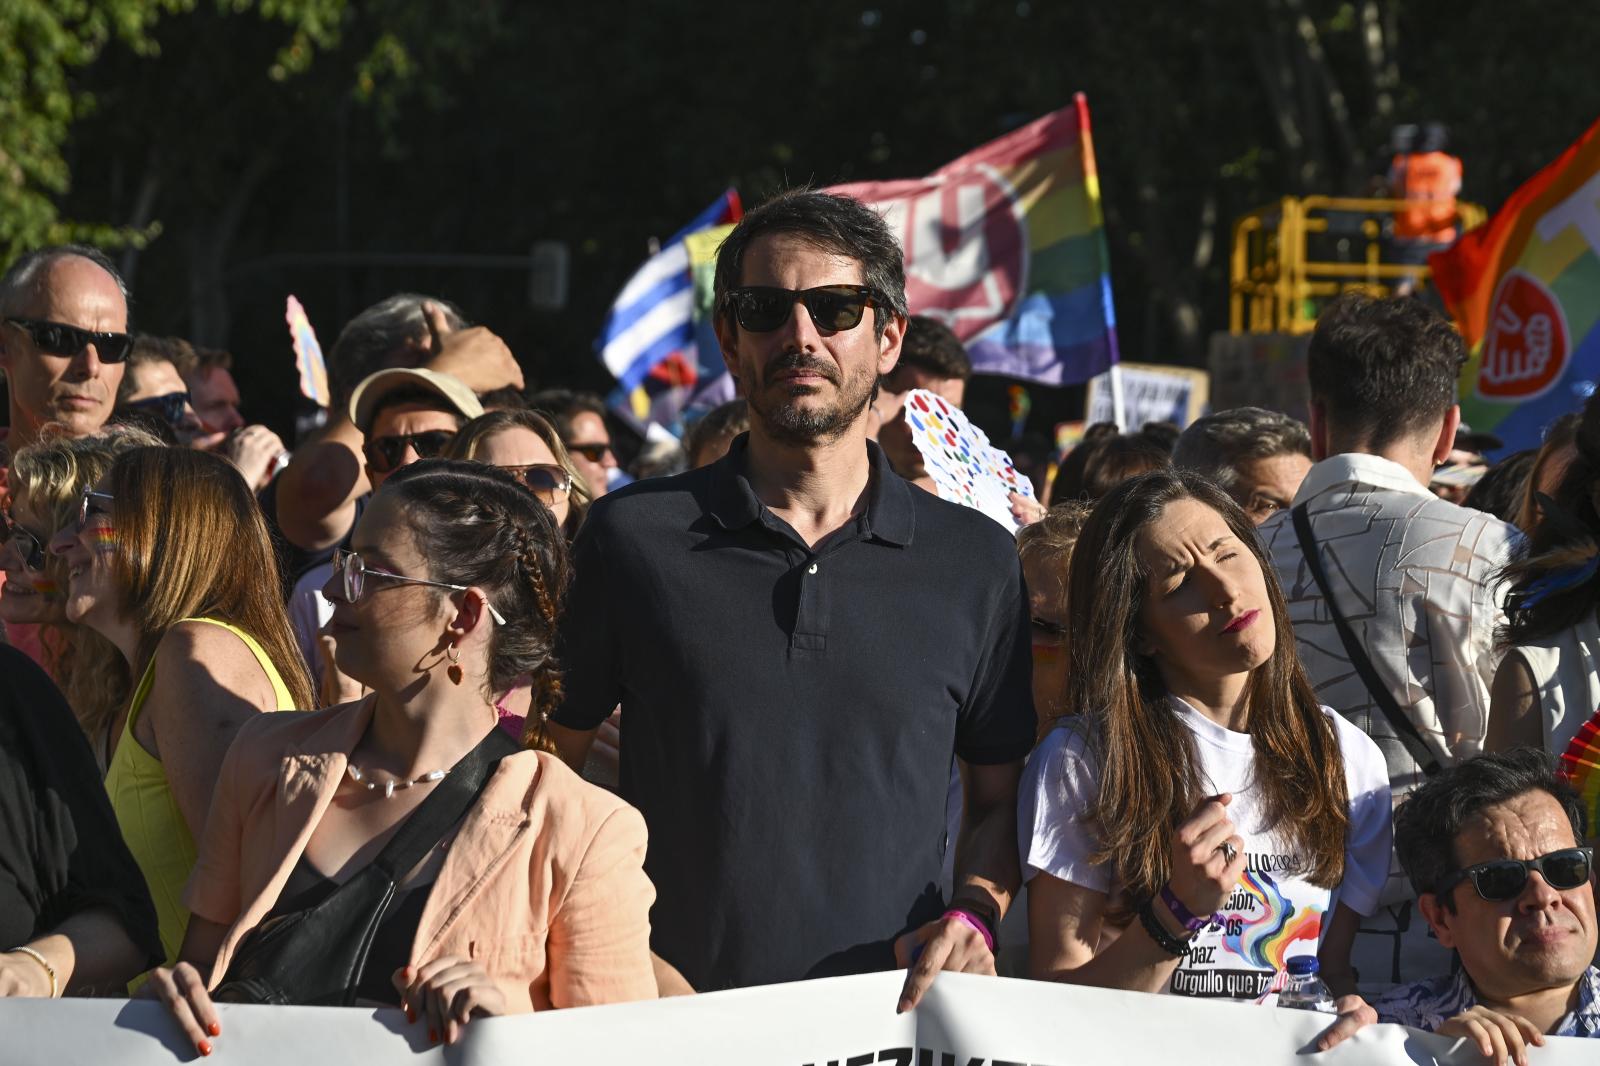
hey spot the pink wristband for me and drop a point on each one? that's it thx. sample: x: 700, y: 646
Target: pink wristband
x: 963, y: 916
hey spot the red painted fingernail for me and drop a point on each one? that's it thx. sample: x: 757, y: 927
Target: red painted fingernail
x: 433, y: 1036
x: 204, y: 1047
x: 411, y: 1015
x: 215, y: 1028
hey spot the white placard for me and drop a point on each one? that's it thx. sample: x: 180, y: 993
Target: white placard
x: 846, y: 1021
x: 1150, y: 394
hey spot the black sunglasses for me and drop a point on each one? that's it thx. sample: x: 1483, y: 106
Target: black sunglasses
x: 595, y: 453
x: 57, y: 338
x: 762, y: 309
x: 385, y: 453
x: 1503, y: 879
x: 170, y: 407
x: 30, y: 547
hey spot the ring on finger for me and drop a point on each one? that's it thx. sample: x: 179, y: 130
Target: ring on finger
x: 1228, y: 850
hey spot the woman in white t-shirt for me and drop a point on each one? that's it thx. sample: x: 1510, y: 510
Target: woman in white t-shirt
x: 1202, y: 818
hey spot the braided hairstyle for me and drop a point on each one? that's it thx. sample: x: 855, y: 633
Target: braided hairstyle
x: 477, y: 525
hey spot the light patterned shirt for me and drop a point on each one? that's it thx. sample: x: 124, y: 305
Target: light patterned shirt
x: 1429, y: 1004
x: 1415, y: 578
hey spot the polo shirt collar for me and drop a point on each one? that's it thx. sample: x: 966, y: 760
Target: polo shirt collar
x: 1361, y: 468
x: 890, y: 517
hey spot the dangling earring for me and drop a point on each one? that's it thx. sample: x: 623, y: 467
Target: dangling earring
x: 454, y: 672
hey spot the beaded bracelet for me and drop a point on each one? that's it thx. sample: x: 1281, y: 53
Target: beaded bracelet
x: 1164, y: 940
x: 55, y: 987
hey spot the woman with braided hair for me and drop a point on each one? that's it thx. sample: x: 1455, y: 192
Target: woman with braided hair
x: 535, y: 897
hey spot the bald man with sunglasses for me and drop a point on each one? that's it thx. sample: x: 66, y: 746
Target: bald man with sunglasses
x: 63, y: 338
x: 1496, y: 849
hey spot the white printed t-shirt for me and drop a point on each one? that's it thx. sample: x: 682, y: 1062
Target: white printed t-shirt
x: 1272, y: 915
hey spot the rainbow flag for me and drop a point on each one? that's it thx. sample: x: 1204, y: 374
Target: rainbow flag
x: 1525, y: 291
x: 1006, y: 245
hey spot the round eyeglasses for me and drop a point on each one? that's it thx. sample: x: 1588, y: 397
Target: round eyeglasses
x: 353, y: 573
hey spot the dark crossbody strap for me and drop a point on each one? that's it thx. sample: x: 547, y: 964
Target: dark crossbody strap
x: 444, y: 807
x: 1398, y: 721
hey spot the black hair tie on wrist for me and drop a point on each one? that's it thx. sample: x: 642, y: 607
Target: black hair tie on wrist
x: 1164, y: 939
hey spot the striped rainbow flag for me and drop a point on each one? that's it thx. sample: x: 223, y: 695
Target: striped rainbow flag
x: 1525, y: 291
x: 1006, y: 245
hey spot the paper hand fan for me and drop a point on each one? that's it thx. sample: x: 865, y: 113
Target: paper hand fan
x: 965, y: 467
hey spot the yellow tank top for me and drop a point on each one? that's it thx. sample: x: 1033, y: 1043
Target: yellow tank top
x: 147, y: 813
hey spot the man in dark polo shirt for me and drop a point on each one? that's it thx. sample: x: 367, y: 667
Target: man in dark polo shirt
x: 802, y: 644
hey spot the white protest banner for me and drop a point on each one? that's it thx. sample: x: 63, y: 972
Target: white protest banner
x: 1150, y: 393
x: 848, y: 1021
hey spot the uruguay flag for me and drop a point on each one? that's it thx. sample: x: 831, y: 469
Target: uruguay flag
x: 651, y: 341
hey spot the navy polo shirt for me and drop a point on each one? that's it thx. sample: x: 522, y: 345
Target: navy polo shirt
x: 790, y: 715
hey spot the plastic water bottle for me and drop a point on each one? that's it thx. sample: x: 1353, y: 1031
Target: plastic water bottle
x: 1304, y: 990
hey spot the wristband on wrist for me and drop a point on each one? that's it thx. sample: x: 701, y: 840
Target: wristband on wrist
x: 1163, y: 939
x: 1185, y: 916
x: 55, y: 988
x: 969, y: 918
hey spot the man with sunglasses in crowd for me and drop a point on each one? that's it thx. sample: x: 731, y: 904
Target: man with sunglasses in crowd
x: 1495, y: 848
x: 63, y: 337
x: 403, y: 415
x: 580, y: 419
x: 818, y: 644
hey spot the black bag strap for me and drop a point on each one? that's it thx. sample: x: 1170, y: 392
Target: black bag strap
x: 1403, y: 727
x: 444, y: 807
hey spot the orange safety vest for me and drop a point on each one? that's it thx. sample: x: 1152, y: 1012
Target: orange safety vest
x: 1429, y: 182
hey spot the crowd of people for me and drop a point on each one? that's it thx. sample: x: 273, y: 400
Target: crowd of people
x: 435, y: 710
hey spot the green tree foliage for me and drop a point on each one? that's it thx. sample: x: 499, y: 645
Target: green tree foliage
x: 290, y: 145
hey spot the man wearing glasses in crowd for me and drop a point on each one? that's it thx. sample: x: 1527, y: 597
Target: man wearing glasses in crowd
x: 63, y: 337
x: 819, y: 643
x: 1495, y: 848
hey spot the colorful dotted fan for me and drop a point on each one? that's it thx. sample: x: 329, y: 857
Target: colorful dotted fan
x: 1580, y: 765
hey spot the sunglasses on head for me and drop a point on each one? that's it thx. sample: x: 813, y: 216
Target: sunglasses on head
x: 57, y: 338
x: 1500, y: 880
x: 550, y: 483
x: 761, y: 309
x: 30, y: 547
x: 170, y: 407
x: 385, y: 453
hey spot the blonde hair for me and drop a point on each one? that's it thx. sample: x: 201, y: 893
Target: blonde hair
x: 474, y: 433
x: 52, y: 473
x: 191, y: 543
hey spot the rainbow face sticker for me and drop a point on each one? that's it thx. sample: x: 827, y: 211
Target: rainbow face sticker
x: 45, y: 587
x: 102, y: 537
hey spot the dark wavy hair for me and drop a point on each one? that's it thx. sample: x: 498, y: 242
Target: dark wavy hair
x: 838, y: 224
x: 1427, y: 821
x: 478, y: 525
x: 1149, y: 772
x: 1564, y: 540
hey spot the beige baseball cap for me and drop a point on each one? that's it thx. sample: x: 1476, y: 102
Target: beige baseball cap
x: 364, y: 401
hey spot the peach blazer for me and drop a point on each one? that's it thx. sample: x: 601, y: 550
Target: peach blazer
x: 543, y: 883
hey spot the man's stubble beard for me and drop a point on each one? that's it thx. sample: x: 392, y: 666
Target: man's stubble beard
x: 788, y: 423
